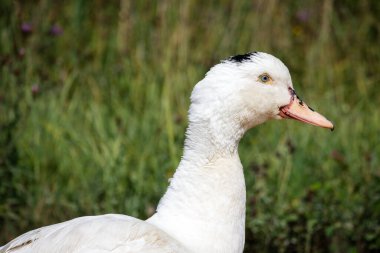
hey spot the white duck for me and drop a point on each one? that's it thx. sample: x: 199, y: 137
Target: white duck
x: 203, y: 210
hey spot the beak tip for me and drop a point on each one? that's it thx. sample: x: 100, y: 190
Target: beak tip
x: 327, y: 124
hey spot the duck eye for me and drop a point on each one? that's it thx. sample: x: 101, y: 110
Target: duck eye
x: 265, y: 78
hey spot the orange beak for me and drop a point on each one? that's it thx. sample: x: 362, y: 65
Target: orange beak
x: 298, y: 110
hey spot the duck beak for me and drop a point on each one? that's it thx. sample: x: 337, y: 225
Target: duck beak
x: 299, y: 110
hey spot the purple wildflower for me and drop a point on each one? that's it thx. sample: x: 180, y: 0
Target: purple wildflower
x: 26, y: 27
x: 56, y: 30
x: 35, y: 89
x: 303, y: 15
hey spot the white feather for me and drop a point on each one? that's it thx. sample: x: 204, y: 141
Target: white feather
x: 104, y: 233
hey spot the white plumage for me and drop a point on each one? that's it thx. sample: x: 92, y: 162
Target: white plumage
x: 98, y: 234
x: 203, y: 209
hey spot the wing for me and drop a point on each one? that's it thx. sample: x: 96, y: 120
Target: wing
x: 96, y: 234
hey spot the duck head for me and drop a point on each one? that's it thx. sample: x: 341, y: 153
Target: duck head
x: 251, y: 89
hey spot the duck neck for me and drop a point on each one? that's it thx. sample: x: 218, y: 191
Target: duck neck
x: 204, y: 206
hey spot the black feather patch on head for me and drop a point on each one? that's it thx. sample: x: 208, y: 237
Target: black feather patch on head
x: 241, y: 57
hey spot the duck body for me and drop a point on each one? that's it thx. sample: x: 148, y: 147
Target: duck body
x: 203, y: 209
x: 212, y: 219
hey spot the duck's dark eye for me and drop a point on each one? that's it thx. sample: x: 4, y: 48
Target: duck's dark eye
x: 265, y: 78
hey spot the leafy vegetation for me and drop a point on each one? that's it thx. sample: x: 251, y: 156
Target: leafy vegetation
x: 94, y: 98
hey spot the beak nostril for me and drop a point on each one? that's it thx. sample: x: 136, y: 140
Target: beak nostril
x: 292, y: 92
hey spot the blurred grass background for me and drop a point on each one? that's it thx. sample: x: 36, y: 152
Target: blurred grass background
x: 94, y: 99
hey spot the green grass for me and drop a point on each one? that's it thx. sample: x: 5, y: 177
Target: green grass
x: 92, y: 121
